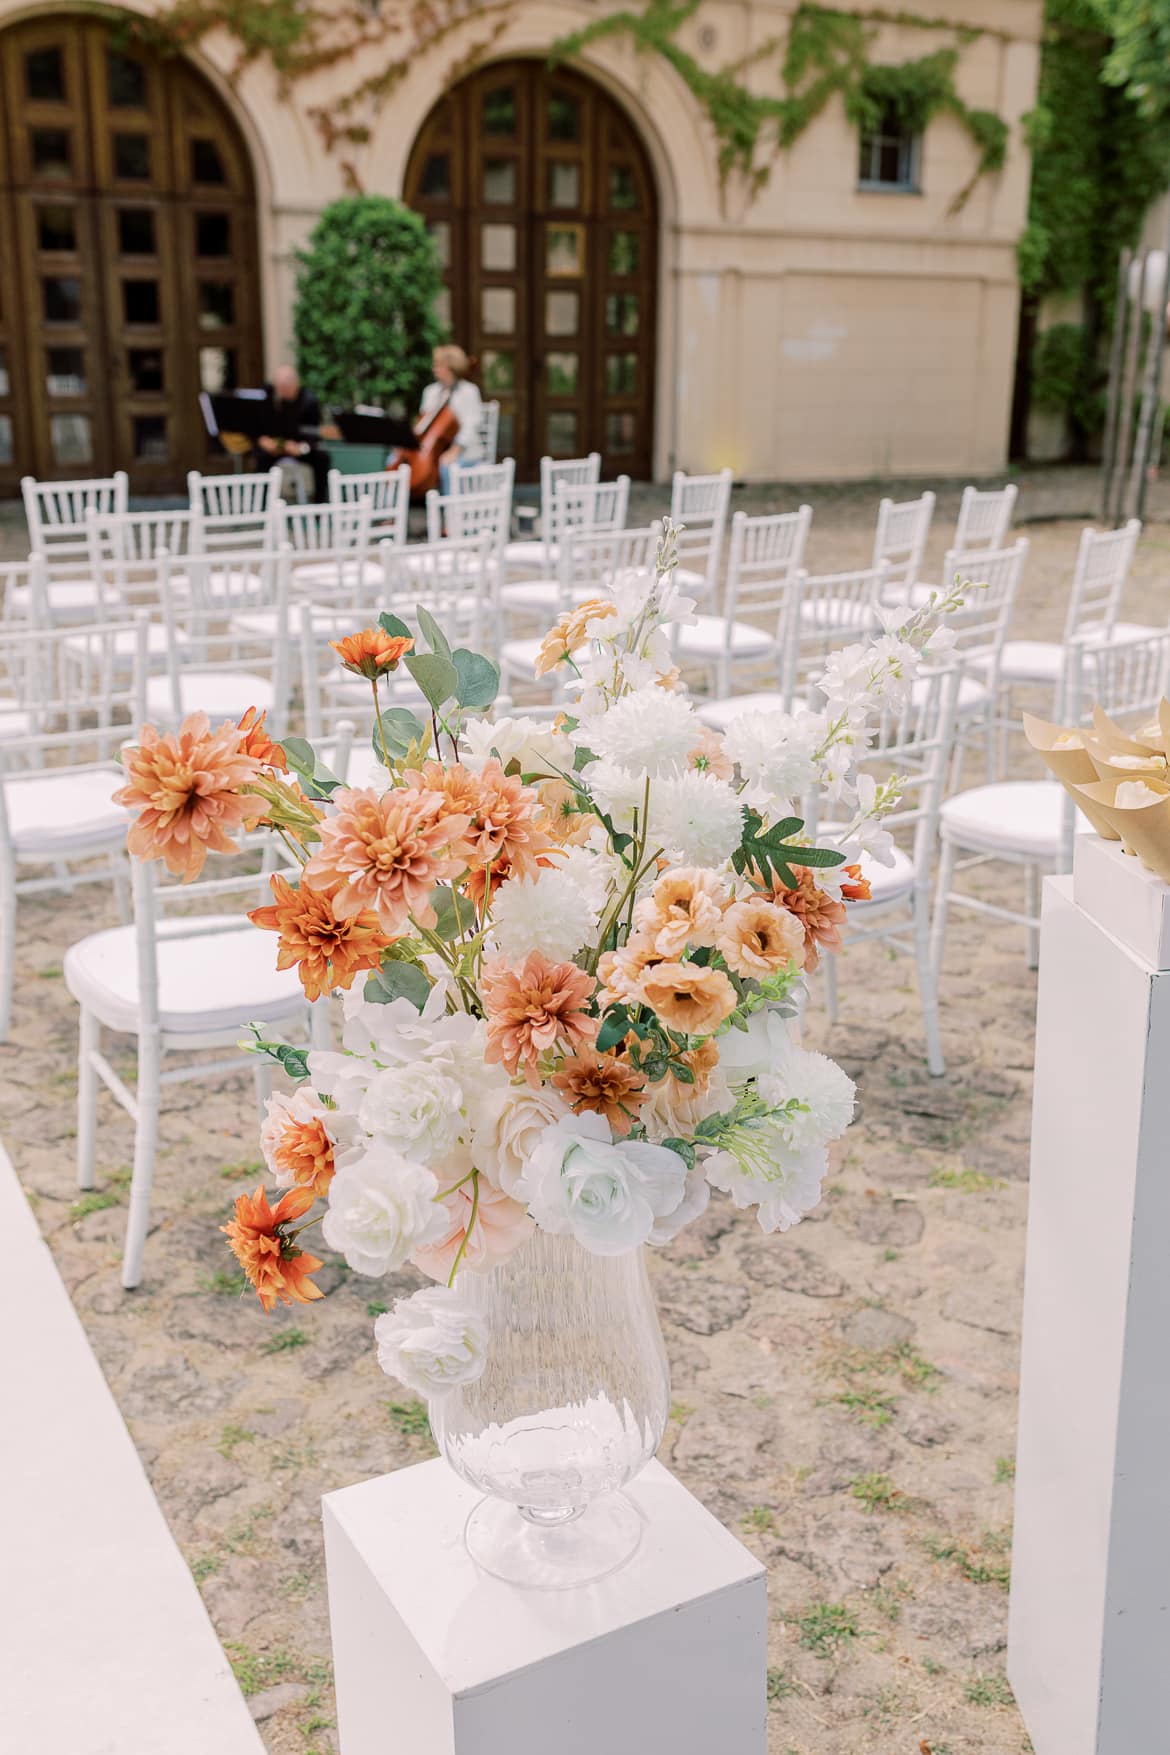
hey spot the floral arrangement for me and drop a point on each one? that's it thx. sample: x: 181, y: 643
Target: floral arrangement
x: 566, y: 953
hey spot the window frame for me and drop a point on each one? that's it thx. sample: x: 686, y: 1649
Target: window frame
x: 872, y: 142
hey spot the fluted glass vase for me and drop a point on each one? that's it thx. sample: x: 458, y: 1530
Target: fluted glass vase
x: 572, y: 1404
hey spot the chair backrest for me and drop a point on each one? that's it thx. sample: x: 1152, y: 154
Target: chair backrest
x: 698, y: 508
x: 489, y: 431
x: 1103, y: 562
x: 599, y: 505
x: 70, y: 696
x: 453, y: 578
x: 24, y: 593
x: 309, y: 529
x: 227, y: 613
x: 589, y: 560
x: 562, y: 472
x: 823, y: 611
x: 985, y: 517
x: 1127, y: 678
x: 388, y: 491
x: 980, y: 626
x: 485, y: 478
x: 900, y: 538
x: 765, y: 555
x: 916, y: 744
x: 56, y: 510
x: 123, y: 550
x: 235, y: 511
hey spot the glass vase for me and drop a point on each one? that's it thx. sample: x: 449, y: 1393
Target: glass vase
x: 572, y: 1403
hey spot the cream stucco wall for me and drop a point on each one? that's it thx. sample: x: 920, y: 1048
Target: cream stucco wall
x: 812, y: 331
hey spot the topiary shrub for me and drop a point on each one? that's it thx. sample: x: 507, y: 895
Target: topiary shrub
x: 365, y: 320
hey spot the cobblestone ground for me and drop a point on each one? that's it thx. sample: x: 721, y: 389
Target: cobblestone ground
x: 844, y: 1397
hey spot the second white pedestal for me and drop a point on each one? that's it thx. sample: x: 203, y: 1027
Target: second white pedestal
x: 432, y: 1657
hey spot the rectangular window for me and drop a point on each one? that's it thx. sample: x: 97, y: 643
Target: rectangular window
x: 890, y: 155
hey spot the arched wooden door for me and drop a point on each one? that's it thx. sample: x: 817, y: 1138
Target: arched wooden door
x: 128, y: 272
x: 541, y: 200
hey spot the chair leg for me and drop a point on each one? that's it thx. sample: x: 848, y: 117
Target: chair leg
x: 942, y: 896
x: 7, y: 940
x: 145, y: 1146
x: 927, y: 984
x: 89, y: 1040
x: 1032, y: 910
x: 320, y: 1034
x: 832, y: 996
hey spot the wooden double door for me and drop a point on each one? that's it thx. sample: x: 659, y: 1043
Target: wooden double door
x: 128, y: 262
x: 541, y: 201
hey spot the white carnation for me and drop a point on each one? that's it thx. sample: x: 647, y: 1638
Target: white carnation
x: 550, y: 913
x: 696, y: 819
x: 432, y: 1342
x: 415, y: 1108
x: 382, y: 1207
x: 823, y: 1091
x: 783, y: 1191
x: 650, y: 729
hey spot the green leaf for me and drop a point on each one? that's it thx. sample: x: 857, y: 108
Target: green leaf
x: 435, y: 675
x: 436, y: 638
x: 295, y: 1061
x: 682, y: 1072
x: 394, y: 626
x: 613, y: 1028
x: 684, y: 1149
x: 402, y: 729
x: 770, y: 852
x: 582, y: 758
x: 317, y: 781
x: 455, y: 915
x: 820, y: 856
x: 398, y: 981
x: 479, y: 678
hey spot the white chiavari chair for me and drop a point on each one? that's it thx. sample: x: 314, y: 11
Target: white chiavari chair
x: 56, y: 515
x: 980, y: 629
x: 763, y: 563
x: 903, y: 527
x: 537, y: 556
x: 388, y: 491
x: 485, y: 478
x: 699, y: 505
x: 489, y: 431
x: 601, y: 507
x: 588, y: 563
x: 235, y: 512
x: 217, y: 660
x: 985, y: 517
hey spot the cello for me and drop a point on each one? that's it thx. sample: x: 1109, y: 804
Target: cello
x: 436, y: 435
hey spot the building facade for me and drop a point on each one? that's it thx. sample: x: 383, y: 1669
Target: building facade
x: 632, y: 277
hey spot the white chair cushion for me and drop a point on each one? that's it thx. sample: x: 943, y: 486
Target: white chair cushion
x: 124, y: 642
x: 886, y: 882
x: 690, y: 583
x: 347, y: 573
x: 835, y: 612
x: 708, y: 638
x: 529, y: 552
x: 973, y: 695
x: 221, y: 694
x: 263, y: 624
x: 1124, y: 631
x: 720, y: 714
x: 58, y: 813
x: 519, y: 657
x: 1031, y: 661
x: 213, y: 981
x: 69, y: 600
x: 1012, y: 816
x: 543, y: 595
x: 15, y: 722
x: 916, y: 596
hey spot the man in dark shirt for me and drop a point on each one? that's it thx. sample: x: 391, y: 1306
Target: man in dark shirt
x: 289, y: 397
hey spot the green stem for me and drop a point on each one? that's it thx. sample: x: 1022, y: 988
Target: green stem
x: 467, y: 1233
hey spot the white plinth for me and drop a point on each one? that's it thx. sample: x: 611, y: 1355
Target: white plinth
x: 433, y: 1657
x: 1089, y: 1634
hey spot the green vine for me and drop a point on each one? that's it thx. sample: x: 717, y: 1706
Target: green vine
x: 825, y: 54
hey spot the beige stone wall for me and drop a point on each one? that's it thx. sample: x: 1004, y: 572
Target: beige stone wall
x: 814, y: 331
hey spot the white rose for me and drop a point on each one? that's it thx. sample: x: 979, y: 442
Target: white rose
x: 382, y: 1207
x: 415, y: 1108
x: 696, y: 1195
x: 538, y: 748
x: 607, y: 1194
x: 509, y: 1125
x: 432, y: 1342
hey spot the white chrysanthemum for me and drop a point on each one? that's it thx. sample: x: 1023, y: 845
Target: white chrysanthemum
x: 595, y: 870
x: 823, y: 1092
x: 696, y: 819
x: 618, y: 791
x: 650, y: 729
x: 791, y: 1187
x: 550, y: 914
x: 775, y: 750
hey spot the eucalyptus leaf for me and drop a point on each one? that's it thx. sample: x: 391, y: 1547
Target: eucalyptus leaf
x: 402, y: 727
x: 479, y: 678
x: 435, y: 675
x: 398, y: 981
x: 394, y: 626
x: 454, y: 913
x: 317, y: 780
x: 436, y: 638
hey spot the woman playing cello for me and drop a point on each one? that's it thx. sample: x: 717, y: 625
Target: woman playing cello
x: 451, y: 412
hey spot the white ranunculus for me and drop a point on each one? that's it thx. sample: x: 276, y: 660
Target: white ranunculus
x: 415, y: 1108
x: 432, y: 1342
x: 825, y: 1092
x: 537, y: 747
x: 549, y: 913
x: 382, y: 1207
x: 751, y: 1053
x: 509, y: 1123
x: 607, y: 1194
x: 790, y: 1188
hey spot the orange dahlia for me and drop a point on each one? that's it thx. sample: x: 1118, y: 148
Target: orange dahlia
x: 820, y: 914
x: 388, y: 853
x: 297, y: 1149
x: 532, y: 1008
x: 188, y: 788
x: 327, y: 949
x: 267, y: 1252
x: 603, y: 1083
x: 504, y: 825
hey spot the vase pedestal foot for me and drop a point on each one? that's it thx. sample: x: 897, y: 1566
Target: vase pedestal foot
x: 557, y: 1551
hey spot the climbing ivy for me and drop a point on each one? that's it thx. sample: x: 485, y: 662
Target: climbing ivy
x: 826, y: 53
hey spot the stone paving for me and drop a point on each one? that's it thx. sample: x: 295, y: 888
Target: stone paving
x: 844, y: 1397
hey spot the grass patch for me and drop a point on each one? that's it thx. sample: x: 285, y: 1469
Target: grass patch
x: 224, y: 1282
x: 255, y: 1670
x: 888, y: 1598
x: 1005, y: 1469
x: 376, y: 1309
x: 94, y: 1200
x: 50, y: 972
x: 410, y: 1418
x: 983, y: 1562
x: 827, y: 1627
x: 965, y: 1181
x: 760, y: 1518
x: 990, y: 1690
x: 232, y: 1437
x: 873, y: 1407
x: 246, y: 1167
x: 205, y: 1567
x: 680, y: 1412
x: 877, y: 1493
x: 780, y: 1686
x: 286, y: 1341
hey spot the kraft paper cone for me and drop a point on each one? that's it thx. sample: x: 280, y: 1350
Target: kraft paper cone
x: 1143, y: 830
x: 1121, y: 765
x: 1073, y: 767
x: 1145, y: 740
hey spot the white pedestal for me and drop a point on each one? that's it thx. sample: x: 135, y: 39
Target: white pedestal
x: 433, y: 1657
x: 1089, y: 1632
